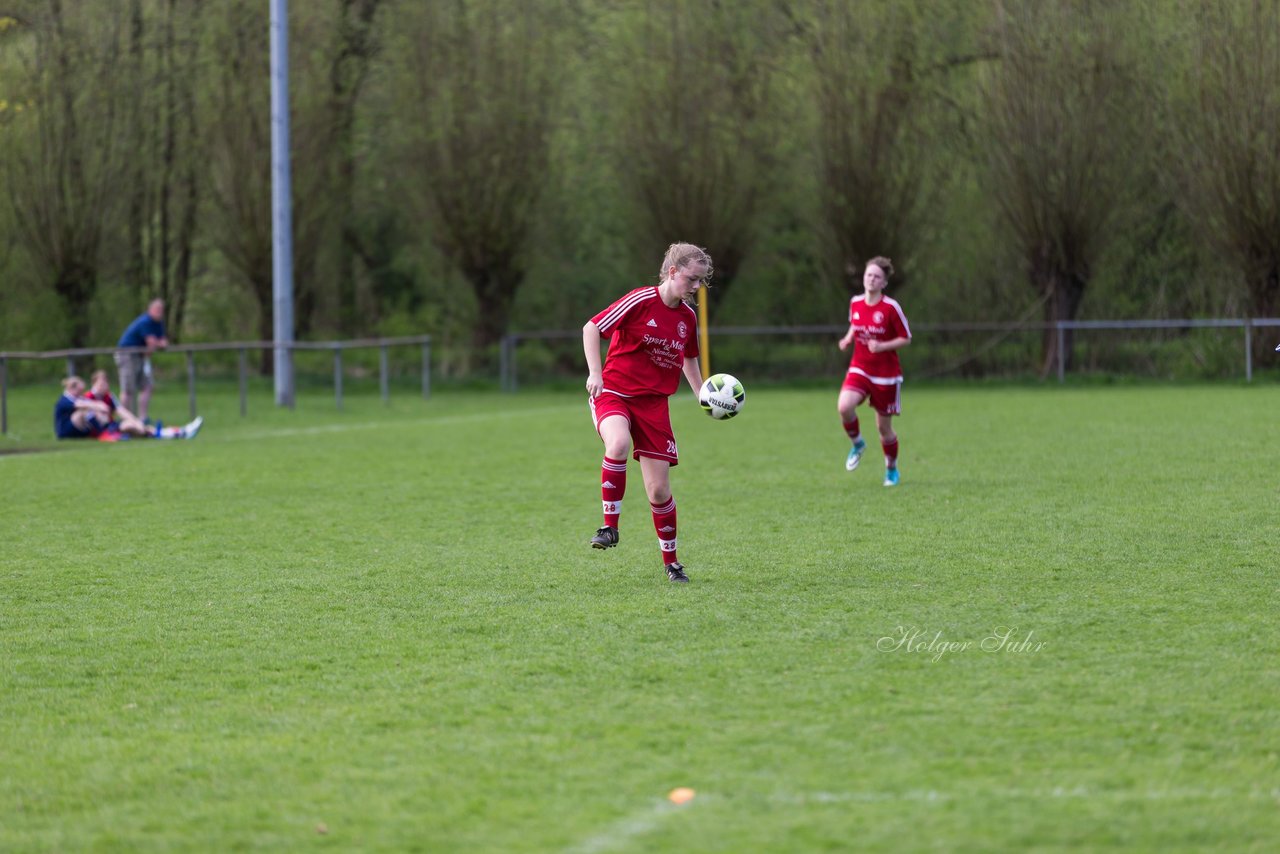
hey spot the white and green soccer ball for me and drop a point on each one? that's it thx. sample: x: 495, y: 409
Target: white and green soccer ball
x: 721, y: 396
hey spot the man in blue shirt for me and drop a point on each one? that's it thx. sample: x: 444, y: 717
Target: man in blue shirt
x: 135, y: 368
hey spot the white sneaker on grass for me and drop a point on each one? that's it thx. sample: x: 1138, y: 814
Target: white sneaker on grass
x: 855, y: 455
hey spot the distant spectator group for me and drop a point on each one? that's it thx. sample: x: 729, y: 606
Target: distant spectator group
x: 94, y: 413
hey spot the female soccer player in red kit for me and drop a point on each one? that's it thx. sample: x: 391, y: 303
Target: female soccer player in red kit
x: 877, y: 329
x: 654, y: 340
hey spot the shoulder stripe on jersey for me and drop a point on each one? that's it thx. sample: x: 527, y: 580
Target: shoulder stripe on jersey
x: 624, y: 305
x: 902, y: 317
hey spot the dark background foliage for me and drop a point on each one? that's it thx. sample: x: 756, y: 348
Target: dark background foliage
x: 475, y: 167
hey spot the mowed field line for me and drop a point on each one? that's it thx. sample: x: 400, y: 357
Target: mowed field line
x: 1032, y: 793
x: 648, y: 819
x: 639, y: 823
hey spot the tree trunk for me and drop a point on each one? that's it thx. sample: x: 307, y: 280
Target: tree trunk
x: 495, y: 292
x: 1264, y: 293
x: 1065, y: 294
x: 262, y: 289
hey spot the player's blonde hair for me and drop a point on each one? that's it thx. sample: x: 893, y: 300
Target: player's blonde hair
x: 72, y: 381
x: 97, y: 375
x: 681, y: 255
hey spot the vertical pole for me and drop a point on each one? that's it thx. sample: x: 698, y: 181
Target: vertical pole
x: 1062, y: 354
x: 4, y: 396
x: 503, y: 370
x: 281, y: 205
x: 71, y: 366
x: 511, y: 364
x: 191, y: 383
x: 244, y: 383
x: 704, y: 333
x: 337, y: 375
x: 426, y: 369
x: 382, y: 374
x: 1248, y: 350
x: 289, y: 366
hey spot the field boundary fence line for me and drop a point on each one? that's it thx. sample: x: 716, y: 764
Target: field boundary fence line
x: 508, y: 346
x: 508, y: 363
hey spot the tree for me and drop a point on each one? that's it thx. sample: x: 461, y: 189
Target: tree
x: 872, y: 67
x: 1226, y: 118
x: 65, y: 164
x: 356, y: 47
x: 240, y: 157
x: 167, y: 151
x: 483, y: 81
x: 240, y: 220
x: 1056, y: 117
x: 696, y: 123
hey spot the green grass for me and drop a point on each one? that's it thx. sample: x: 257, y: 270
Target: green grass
x: 381, y: 629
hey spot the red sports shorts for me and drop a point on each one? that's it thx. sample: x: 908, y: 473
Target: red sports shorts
x: 885, y: 399
x: 649, y: 420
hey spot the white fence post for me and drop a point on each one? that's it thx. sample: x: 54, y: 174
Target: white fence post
x: 1248, y: 350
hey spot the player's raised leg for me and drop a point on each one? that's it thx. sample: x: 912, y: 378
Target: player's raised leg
x: 847, y: 404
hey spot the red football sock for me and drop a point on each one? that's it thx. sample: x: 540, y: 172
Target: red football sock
x: 613, y: 485
x: 664, y: 522
x: 851, y: 429
x: 890, y: 453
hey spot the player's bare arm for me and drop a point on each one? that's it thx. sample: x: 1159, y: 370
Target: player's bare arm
x: 693, y: 373
x: 591, y: 349
x: 847, y: 339
x: 93, y: 406
x: 885, y: 346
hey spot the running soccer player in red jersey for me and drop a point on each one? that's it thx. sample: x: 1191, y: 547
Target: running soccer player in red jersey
x: 877, y: 329
x: 654, y: 339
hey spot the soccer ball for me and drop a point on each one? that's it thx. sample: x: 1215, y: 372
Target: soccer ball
x: 722, y: 396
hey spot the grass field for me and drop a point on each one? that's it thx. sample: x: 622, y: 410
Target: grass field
x: 382, y: 629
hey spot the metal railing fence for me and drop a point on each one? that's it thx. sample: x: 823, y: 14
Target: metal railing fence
x: 509, y: 346
x: 241, y: 348
x: 508, y: 362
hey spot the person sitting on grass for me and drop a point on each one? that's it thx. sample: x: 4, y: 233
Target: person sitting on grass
x: 123, y: 421
x: 75, y: 417
x: 78, y: 415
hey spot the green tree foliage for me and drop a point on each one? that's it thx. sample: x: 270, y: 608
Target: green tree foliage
x: 694, y: 95
x: 876, y: 75
x: 64, y: 157
x: 465, y: 167
x: 1056, y: 113
x: 1225, y: 118
x: 481, y: 86
x: 355, y: 47
x: 239, y: 169
x: 159, y: 76
x: 239, y: 172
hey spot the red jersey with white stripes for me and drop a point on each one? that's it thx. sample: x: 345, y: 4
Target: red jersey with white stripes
x: 106, y: 398
x: 649, y: 343
x: 883, y: 321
